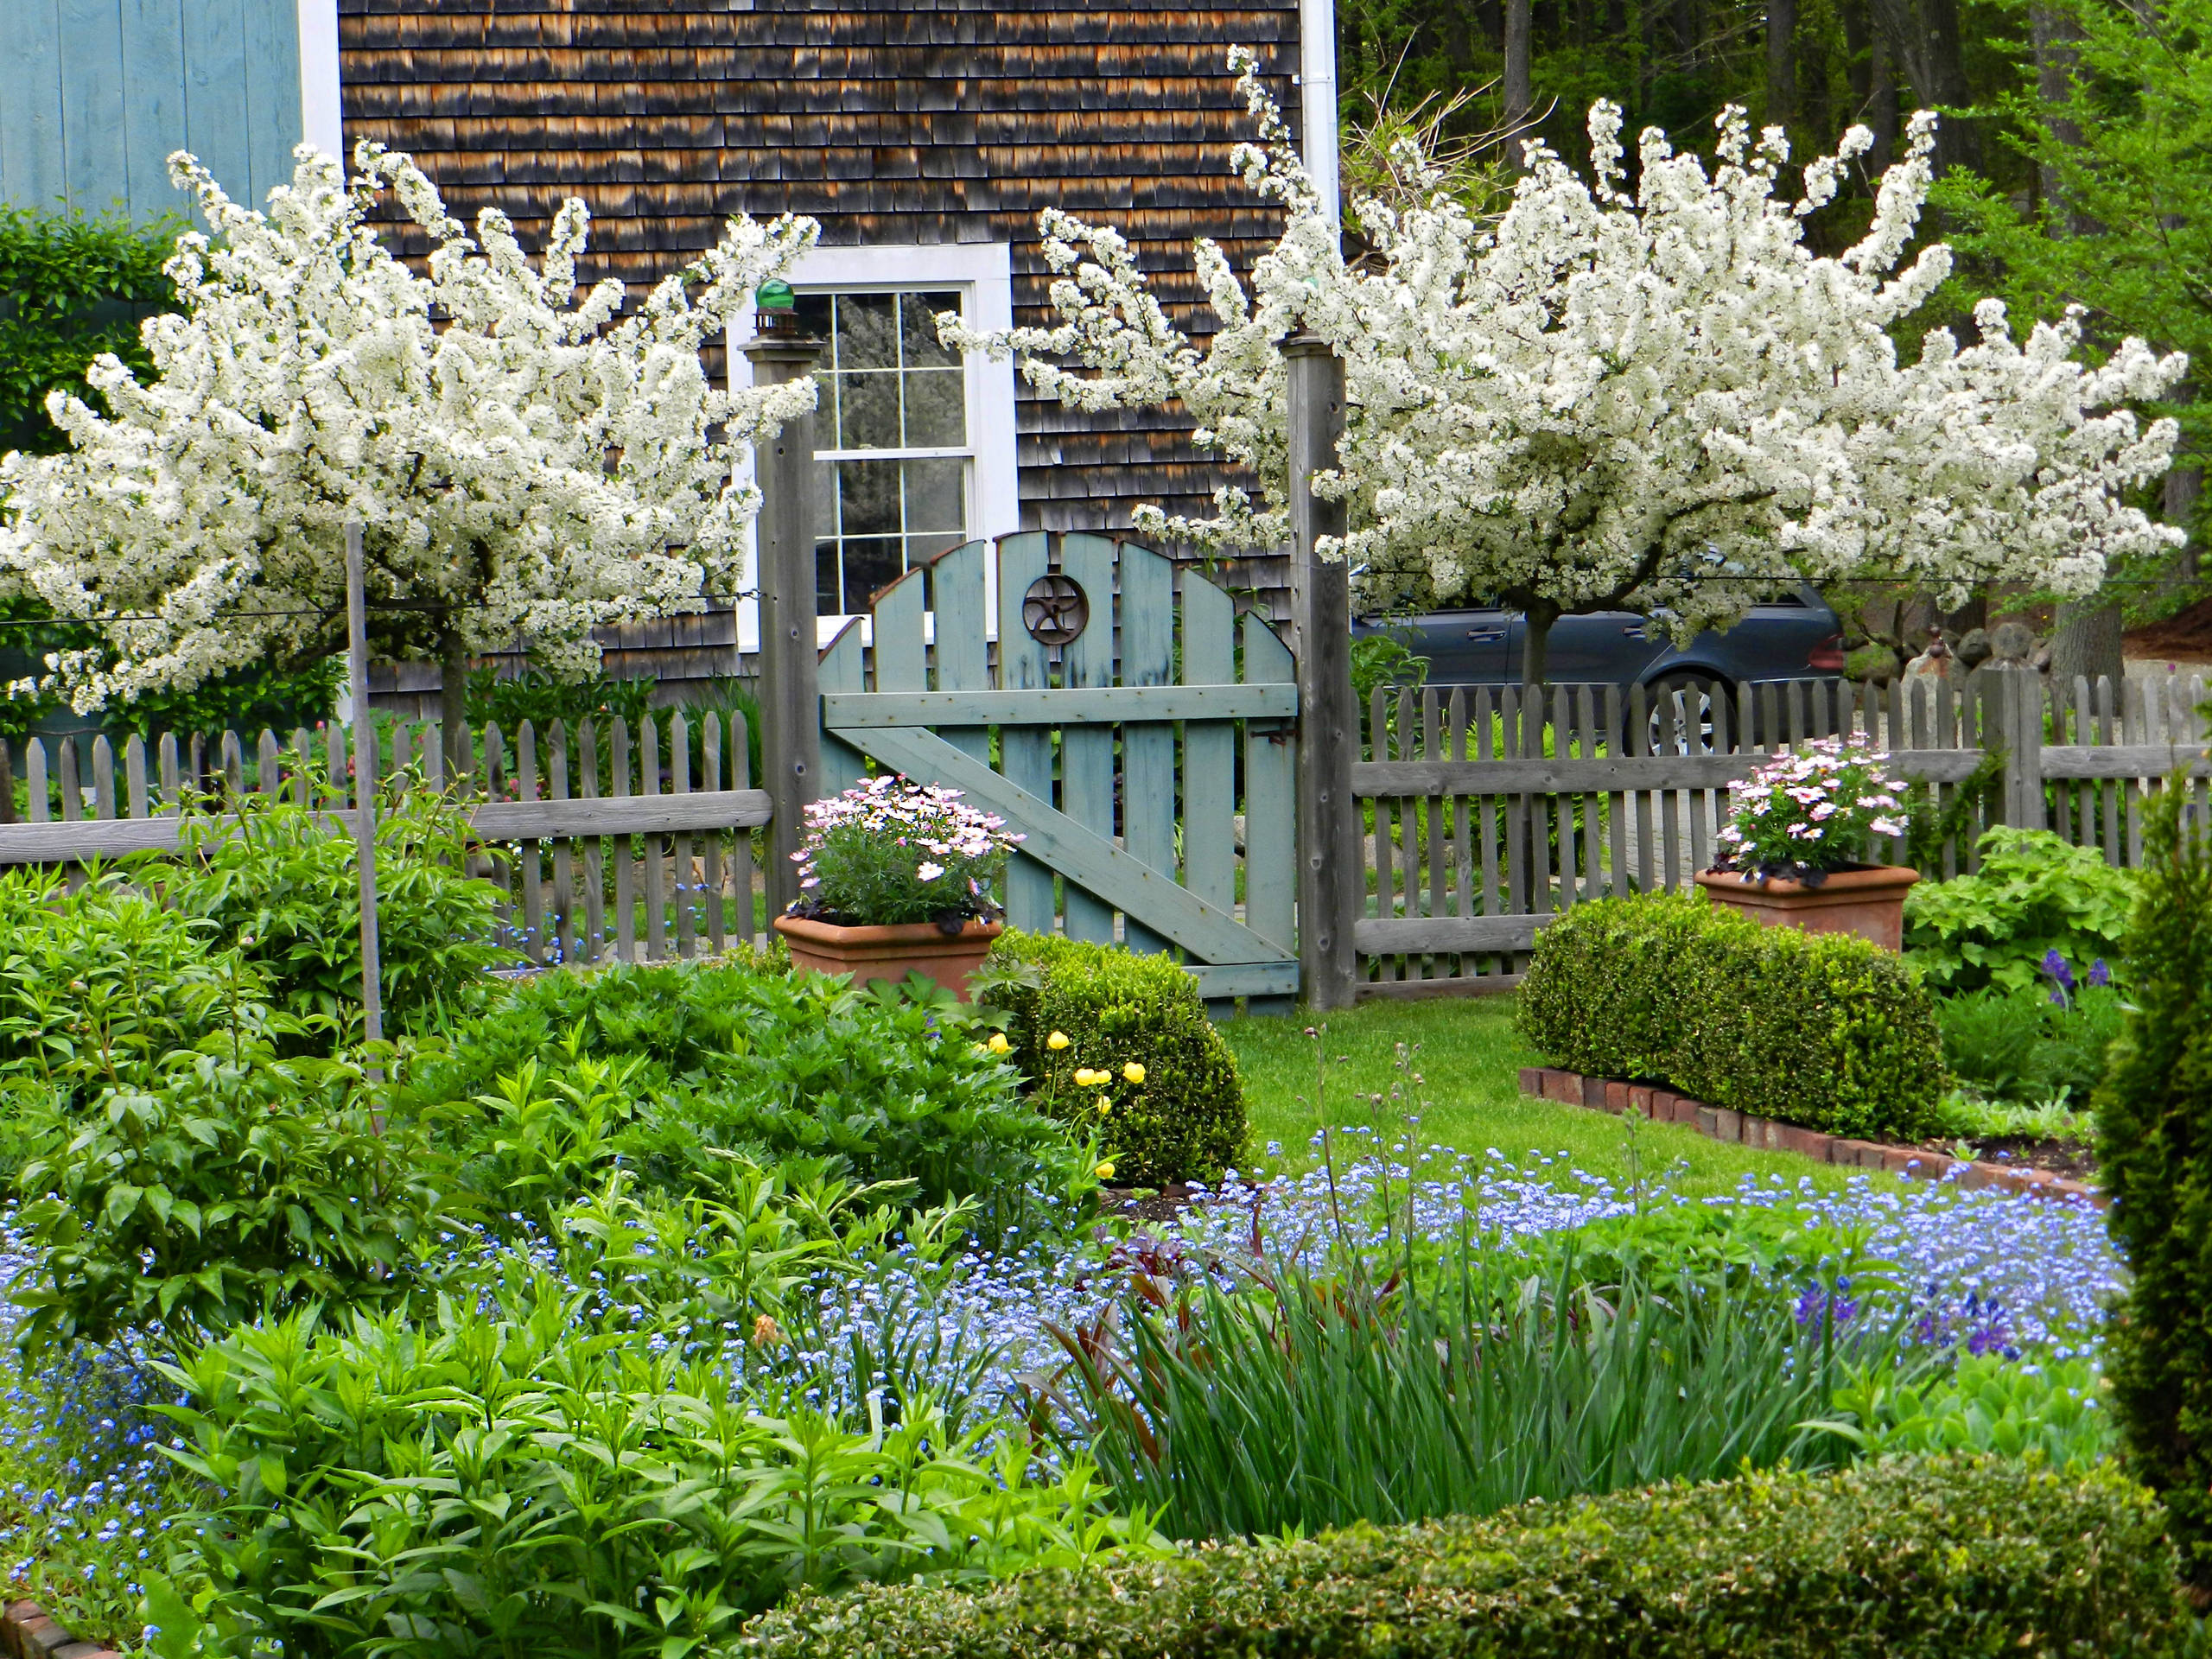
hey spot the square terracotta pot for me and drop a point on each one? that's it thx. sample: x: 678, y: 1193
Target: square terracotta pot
x: 869, y: 954
x: 1869, y: 902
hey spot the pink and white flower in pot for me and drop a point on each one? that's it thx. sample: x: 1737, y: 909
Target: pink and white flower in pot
x: 1800, y: 849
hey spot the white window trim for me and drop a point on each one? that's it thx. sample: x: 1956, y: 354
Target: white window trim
x: 321, y: 122
x: 983, y: 271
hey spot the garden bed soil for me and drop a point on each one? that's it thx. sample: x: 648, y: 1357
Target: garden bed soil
x: 2184, y: 636
x: 1933, y: 1162
x: 2075, y: 1160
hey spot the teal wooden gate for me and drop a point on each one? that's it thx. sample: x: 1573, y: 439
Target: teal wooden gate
x: 1122, y: 768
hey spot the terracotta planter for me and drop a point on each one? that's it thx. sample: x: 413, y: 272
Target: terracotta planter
x: 871, y: 953
x: 1868, y: 901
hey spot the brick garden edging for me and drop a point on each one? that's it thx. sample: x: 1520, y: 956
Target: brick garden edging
x: 28, y: 1632
x: 1742, y: 1128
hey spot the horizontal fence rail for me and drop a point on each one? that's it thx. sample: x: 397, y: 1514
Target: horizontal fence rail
x: 607, y: 844
x: 1487, y: 814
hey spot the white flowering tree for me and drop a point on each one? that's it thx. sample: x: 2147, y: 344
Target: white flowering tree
x: 523, y: 459
x: 1661, y: 402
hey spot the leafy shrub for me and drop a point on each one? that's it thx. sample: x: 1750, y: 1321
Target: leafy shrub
x: 281, y: 882
x: 2034, y: 893
x: 99, y: 982
x: 1905, y: 1559
x: 527, y: 1485
x: 675, y: 1069
x: 227, y: 1182
x: 1819, y: 1029
x: 1326, y: 1401
x: 2020, y: 1045
x: 1185, y: 1121
x: 2154, y: 1154
x: 1990, y: 1402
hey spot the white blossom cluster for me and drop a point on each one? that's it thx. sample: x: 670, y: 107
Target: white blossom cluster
x: 1663, y: 401
x: 521, y: 458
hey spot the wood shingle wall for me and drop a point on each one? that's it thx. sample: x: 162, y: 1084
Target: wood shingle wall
x: 891, y: 123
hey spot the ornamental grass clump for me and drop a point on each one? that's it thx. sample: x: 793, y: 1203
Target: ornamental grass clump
x: 1815, y: 810
x: 889, y: 851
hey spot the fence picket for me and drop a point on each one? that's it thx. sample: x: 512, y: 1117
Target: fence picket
x: 35, y: 779
x: 2134, y: 728
x: 564, y: 869
x: 1487, y: 807
x: 680, y: 848
x: 745, y: 843
x: 710, y: 878
x: 134, y: 774
x: 528, y: 863
x: 72, y: 795
x: 103, y: 778
x: 655, y: 883
x: 595, y: 945
x: 620, y: 848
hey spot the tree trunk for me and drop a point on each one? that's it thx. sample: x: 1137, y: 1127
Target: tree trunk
x: 1924, y: 37
x: 1520, y: 96
x: 1881, y: 106
x: 452, y: 708
x: 2086, y: 642
x: 2185, y: 491
x: 1781, y: 62
x: 1536, y: 641
x: 2054, y: 38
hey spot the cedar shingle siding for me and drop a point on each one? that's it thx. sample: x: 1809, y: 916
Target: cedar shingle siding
x: 890, y: 123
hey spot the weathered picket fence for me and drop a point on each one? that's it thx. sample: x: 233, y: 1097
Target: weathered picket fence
x: 1490, y: 816
x: 607, y: 843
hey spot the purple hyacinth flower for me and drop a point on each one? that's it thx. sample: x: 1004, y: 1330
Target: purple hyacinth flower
x: 2099, y: 974
x: 2055, y: 965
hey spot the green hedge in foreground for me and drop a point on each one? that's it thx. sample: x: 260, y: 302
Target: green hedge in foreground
x: 1907, y: 1559
x: 1819, y: 1029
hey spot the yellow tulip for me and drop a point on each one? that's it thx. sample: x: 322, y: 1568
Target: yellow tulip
x: 998, y: 1043
x: 1057, y: 1040
x: 1105, y: 1172
x: 1134, y: 1072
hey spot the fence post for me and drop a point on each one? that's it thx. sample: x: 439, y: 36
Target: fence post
x: 1331, y: 887
x: 790, y: 700
x: 2014, y: 691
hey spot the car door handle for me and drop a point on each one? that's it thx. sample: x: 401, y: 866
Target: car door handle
x: 1486, y: 636
x: 1636, y: 633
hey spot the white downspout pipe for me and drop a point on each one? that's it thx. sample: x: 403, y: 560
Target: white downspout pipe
x: 1317, y: 96
x: 320, y: 123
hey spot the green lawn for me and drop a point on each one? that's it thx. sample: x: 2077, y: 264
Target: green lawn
x: 1468, y: 1057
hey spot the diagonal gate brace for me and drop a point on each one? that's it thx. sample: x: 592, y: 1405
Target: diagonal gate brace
x: 1083, y: 856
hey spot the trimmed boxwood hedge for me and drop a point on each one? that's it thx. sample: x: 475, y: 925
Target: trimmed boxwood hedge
x: 1823, y: 1030
x: 1186, y: 1121
x: 1905, y: 1559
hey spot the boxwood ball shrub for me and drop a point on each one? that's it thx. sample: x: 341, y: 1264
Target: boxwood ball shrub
x: 1180, y: 1117
x: 1823, y: 1030
x: 1902, y: 1558
x: 2154, y: 1156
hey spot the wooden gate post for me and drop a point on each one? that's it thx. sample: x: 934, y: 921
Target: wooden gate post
x: 2012, y: 700
x: 1331, y: 885
x: 791, y: 700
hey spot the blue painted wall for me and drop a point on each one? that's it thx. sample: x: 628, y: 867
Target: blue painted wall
x: 94, y: 94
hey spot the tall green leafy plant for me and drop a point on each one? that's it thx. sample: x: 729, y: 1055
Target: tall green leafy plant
x: 1312, y: 1399
x: 2033, y: 893
x: 2154, y: 1153
x: 226, y: 1182
x: 526, y: 1484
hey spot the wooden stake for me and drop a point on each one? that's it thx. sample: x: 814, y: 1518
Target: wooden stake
x: 365, y: 783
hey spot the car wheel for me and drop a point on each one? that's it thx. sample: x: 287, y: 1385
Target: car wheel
x: 1681, y: 718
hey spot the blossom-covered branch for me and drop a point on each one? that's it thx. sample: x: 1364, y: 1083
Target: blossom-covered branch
x: 1662, y: 401
x: 523, y: 458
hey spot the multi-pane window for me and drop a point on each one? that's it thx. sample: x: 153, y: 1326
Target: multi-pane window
x: 891, y: 435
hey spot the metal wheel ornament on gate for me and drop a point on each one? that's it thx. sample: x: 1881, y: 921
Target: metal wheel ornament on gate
x: 1126, y: 762
x: 1055, y: 611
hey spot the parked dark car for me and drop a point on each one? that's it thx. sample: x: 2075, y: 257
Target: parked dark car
x: 1792, y: 638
